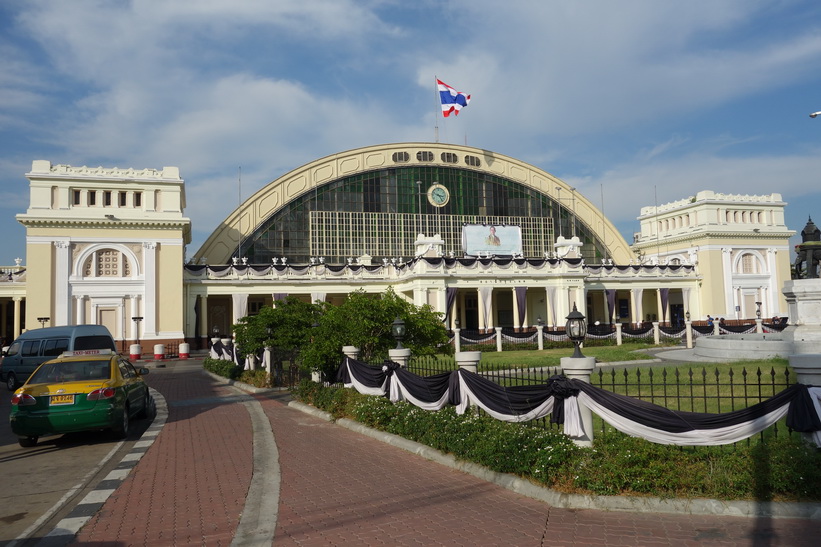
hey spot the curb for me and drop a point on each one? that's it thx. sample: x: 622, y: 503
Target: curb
x: 65, y: 530
x: 243, y: 386
x: 695, y: 506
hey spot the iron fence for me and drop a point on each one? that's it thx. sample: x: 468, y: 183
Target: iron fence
x: 528, y: 338
x: 705, y: 389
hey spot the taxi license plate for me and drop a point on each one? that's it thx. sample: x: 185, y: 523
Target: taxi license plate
x: 62, y: 399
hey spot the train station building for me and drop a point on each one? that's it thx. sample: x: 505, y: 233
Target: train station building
x: 487, y: 240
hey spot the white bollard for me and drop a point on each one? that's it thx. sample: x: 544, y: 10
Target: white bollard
x: 159, y: 352
x: 135, y: 352
x: 185, y: 351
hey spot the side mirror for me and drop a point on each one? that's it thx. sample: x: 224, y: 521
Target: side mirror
x: 143, y: 371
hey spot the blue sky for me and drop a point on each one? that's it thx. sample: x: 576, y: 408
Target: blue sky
x: 637, y: 101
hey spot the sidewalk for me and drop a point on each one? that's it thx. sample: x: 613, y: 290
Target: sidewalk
x: 331, y: 486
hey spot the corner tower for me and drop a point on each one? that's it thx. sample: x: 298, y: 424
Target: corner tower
x: 105, y: 246
x: 738, y: 243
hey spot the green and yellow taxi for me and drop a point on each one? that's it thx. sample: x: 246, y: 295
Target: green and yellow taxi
x: 80, y: 391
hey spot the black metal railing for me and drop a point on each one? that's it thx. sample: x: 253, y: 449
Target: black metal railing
x: 694, y: 389
x: 697, y: 388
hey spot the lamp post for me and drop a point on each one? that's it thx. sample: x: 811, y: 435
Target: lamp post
x: 759, y: 326
x: 579, y: 367
x: 576, y: 330
x: 398, y: 330
x: 399, y: 354
x: 136, y: 350
x: 43, y: 321
x: 137, y: 320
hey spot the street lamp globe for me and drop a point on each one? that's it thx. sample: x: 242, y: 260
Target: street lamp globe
x: 576, y: 330
x: 398, y: 330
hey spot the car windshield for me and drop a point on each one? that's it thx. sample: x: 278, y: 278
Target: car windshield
x: 71, y: 371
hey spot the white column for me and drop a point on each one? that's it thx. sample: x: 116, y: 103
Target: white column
x: 491, y: 312
x: 481, y: 309
x: 660, y: 316
x: 420, y: 296
x: 550, y: 307
x: 442, y: 302
x: 62, y: 298
x: 17, y: 326
x: 150, y: 304
x: 80, y: 303
x: 727, y: 266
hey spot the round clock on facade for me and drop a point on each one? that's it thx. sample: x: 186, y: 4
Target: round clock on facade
x: 438, y: 195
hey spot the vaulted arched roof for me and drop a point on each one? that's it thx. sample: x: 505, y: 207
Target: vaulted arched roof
x: 249, y: 217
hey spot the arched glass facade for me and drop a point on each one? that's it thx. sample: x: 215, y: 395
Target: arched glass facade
x: 380, y: 213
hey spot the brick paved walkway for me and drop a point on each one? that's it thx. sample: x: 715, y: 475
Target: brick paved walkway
x: 341, y: 488
x: 190, y: 487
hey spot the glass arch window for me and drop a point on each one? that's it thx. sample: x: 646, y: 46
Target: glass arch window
x: 381, y: 212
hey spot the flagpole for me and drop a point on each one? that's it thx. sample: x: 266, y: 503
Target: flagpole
x: 438, y: 108
x: 239, y: 218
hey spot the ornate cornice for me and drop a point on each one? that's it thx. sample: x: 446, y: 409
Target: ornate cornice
x: 693, y: 237
x: 44, y: 169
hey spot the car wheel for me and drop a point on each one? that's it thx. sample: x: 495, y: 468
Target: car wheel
x: 121, y: 431
x: 11, y: 381
x: 27, y: 442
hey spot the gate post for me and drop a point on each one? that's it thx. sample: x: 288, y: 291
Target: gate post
x: 579, y: 368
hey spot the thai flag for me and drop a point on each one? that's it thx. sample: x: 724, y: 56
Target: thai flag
x: 452, y: 100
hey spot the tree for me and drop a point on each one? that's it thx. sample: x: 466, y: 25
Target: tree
x: 364, y: 321
x: 286, y: 329
x: 312, y: 335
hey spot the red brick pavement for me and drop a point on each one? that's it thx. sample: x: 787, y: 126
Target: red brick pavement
x: 190, y: 487
x: 341, y: 488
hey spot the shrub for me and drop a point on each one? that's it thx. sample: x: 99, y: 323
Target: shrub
x: 783, y: 469
x: 256, y: 378
x: 222, y: 367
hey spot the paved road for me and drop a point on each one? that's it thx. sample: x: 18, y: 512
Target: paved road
x: 41, y: 482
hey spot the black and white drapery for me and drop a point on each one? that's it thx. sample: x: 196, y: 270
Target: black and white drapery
x: 561, y: 398
x: 222, y: 351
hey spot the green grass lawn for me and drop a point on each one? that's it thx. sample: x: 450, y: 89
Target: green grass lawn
x: 551, y: 357
x: 696, y: 387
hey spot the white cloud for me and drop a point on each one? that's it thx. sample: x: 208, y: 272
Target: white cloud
x: 596, y: 92
x: 631, y: 185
